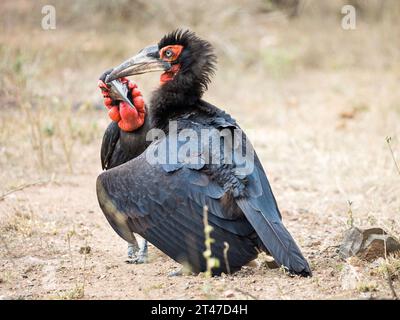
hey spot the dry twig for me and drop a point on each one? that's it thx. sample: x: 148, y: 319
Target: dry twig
x: 22, y: 187
x: 388, y: 140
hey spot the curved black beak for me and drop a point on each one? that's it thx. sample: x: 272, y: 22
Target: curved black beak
x: 147, y: 60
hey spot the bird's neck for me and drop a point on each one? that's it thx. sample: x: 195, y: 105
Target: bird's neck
x: 168, y: 102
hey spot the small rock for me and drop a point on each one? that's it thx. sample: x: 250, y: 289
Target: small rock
x: 229, y: 294
x: 348, y: 114
x: 367, y: 244
x: 349, y: 278
x: 315, y: 243
x: 376, y: 263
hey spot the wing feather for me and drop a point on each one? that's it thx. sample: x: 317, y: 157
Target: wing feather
x: 157, y: 205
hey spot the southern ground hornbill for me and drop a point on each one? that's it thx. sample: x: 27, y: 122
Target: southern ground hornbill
x: 161, y: 195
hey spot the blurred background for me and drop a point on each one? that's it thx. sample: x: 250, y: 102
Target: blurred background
x: 274, y: 57
x: 317, y: 99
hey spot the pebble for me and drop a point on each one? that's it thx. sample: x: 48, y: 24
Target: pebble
x: 229, y: 293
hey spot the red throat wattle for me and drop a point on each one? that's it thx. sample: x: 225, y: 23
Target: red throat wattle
x: 170, y: 74
x: 128, y: 118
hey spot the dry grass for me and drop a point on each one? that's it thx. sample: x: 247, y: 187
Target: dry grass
x: 318, y: 102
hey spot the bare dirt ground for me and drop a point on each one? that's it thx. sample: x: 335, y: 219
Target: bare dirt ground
x: 318, y: 124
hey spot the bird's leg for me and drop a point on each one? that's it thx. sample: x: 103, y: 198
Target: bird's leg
x: 143, y: 251
x: 132, y: 249
x: 137, y: 252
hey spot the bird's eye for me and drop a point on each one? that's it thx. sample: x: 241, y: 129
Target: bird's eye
x: 168, y: 53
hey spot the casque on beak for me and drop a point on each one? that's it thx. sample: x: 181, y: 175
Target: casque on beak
x: 147, y: 60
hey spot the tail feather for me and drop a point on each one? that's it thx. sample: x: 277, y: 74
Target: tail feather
x: 277, y: 239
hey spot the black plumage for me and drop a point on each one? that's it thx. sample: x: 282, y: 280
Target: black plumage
x: 163, y: 202
x: 119, y: 146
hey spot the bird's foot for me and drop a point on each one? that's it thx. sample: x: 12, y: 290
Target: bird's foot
x: 139, y: 259
x: 176, y: 273
x: 180, y: 272
x: 137, y: 254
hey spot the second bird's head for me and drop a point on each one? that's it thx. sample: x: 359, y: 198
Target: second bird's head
x: 187, y: 62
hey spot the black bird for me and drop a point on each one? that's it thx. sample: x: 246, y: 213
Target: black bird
x: 164, y: 201
x: 119, y: 146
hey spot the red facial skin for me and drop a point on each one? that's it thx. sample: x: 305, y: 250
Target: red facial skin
x: 128, y: 118
x: 170, y: 74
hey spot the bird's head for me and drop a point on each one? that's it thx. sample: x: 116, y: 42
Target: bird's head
x: 186, y: 60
